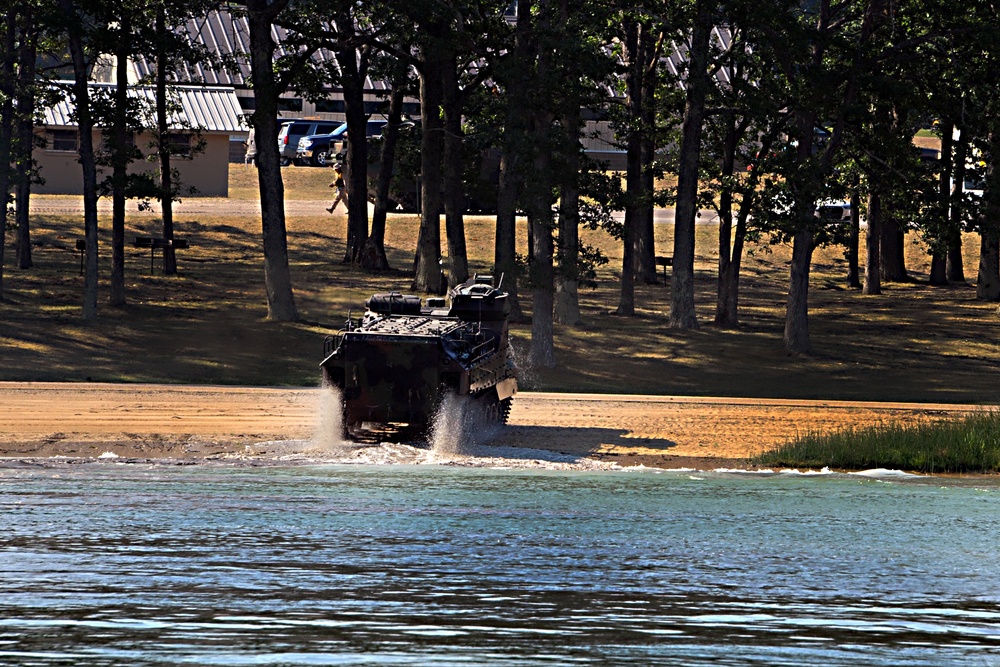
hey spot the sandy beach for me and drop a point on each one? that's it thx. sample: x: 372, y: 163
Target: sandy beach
x: 142, y: 421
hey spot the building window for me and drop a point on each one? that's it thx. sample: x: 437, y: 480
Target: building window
x: 180, y: 145
x: 289, y: 104
x: 330, y: 106
x: 107, y: 142
x: 63, y: 140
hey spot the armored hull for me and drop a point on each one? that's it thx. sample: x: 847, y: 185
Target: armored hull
x: 395, y: 366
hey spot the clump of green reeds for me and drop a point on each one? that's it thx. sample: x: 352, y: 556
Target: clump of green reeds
x: 969, y: 445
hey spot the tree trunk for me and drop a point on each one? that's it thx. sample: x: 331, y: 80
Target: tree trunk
x: 893, y: 240
x: 988, y: 281
x: 567, y: 301
x: 854, y: 241
x: 6, y: 124
x: 645, y: 250
x: 454, y: 194
x: 163, y: 145
x: 956, y: 268
x: 634, y: 44
x: 85, y: 123
x: 352, y: 81
x: 796, y: 337
x: 540, y: 201
x: 512, y: 158
x: 873, y: 264
x: 730, y: 249
x: 25, y: 135
x: 542, y: 254
x: 277, y: 276
x: 427, y: 270
x: 797, y: 310
x: 732, y: 241
x: 374, y: 258
x: 726, y: 314
x: 938, y: 274
x: 120, y: 160
x: 626, y: 301
x: 939, y: 246
x: 504, y: 253
x: 682, y: 310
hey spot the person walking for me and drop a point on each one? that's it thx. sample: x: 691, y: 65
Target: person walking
x: 338, y: 182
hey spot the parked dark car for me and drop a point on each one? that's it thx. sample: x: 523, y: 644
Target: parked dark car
x: 321, y: 150
x: 293, y: 130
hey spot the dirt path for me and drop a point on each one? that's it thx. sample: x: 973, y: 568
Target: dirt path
x: 192, y: 422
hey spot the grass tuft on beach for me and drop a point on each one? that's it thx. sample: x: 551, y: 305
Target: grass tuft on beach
x: 968, y: 445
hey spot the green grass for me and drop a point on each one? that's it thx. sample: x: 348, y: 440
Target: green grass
x: 969, y: 445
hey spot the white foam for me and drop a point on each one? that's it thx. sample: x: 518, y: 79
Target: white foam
x: 394, y: 453
x: 883, y: 472
x: 806, y: 473
x: 108, y: 455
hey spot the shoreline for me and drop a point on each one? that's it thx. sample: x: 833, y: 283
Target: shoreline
x: 180, y: 423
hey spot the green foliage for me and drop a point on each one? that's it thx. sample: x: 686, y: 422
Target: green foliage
x: 967, y: 445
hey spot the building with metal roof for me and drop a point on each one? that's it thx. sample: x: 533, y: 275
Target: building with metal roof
x: 201, y: 116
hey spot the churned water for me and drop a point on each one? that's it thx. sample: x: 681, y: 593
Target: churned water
x: 126, y: 564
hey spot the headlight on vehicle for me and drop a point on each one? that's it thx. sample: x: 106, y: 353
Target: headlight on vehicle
x: 305, y: 143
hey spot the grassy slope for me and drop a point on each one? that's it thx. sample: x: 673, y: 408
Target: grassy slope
x: 207, y: 325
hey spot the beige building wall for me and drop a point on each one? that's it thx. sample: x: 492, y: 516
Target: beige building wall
x: 207, y: 171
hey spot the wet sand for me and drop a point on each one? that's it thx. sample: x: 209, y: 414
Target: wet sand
x: 141, y: 421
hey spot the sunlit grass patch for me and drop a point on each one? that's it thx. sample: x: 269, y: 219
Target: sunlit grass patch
x: 966, y: 445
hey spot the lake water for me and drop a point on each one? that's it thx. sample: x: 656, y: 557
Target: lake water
x: 109, y: 563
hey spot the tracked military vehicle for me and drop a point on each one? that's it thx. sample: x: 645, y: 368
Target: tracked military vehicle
x: 397, y: 364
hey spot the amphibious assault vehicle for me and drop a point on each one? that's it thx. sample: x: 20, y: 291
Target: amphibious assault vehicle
x: 397, y: 364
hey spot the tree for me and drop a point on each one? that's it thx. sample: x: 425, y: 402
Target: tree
x: 581, y: 75
x: 514, y: 76
x: 373, y: 257
x: 24, y: 135
x: 353, y: 56
x: 742, y: 147
x: 641, y: 53
x: 836, y: 49
x: 261, y: 16
x: 75, y: 23
x: 539, y: 196
x: 122, y: 152
x: 988, y: 280
x: 682, y: 310
x: 168, y: 51
x: 432, y: 31
x: 7, y: 91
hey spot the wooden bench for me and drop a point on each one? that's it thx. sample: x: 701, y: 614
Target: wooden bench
x: 664, y: 261
x: 155, y: 242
